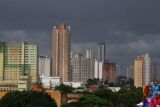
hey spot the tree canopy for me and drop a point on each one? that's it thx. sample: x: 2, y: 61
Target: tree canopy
x: 27, y: 99
x: 89, y: 101
x: 64, y: 88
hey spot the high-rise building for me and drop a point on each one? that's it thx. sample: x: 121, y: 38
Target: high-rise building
x: 76, y: 67
x: 98, y: 69
x: 130, y: 72
x: 82, y: 67
x: 155, y: 71
x: 109, y: 72
x: 18, y: 60
x: 101, y: 52
x: 87, y: 68
x: 89, y: 53
x: 44, y: 66
x: 118, y: 70
x: 99, y: 62
x: 142, y: 70
x: 61, y: 52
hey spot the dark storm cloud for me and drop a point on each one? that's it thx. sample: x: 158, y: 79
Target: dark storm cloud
x: 129, y: 27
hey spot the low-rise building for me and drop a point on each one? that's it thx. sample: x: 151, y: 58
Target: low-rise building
x: 50, y: 82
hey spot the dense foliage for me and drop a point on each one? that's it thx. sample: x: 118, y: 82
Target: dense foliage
x: 126, y: 97
x: 90, y: 101
x: 27, y: 99
x: 64, y: 88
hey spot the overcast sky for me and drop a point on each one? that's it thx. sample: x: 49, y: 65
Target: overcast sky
x: 129, y: 27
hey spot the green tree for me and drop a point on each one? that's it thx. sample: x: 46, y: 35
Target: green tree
x: 107, y: 94
x: 64, y: 88
x: 27, y: 99
x: 92, y: 82
x: 90, y: 101
x: 130, y: 97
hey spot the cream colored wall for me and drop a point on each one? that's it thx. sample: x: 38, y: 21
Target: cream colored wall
x: 1, y: 65
x: 138, y: 70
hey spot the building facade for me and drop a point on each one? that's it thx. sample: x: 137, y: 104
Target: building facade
x: 130, y: 72
x: 109, y: 72
x: 82, y: 67
x: 45, y: 66
x: 98, y: 69
x: 155, y: 72
x: 142, y: 70
x: 76, y: 67
x: 118, y: 70
x: 87, y: 69
x: 99, y: 62
x: 101, y: 52
x: 61, y: 52
x: 18, y: 60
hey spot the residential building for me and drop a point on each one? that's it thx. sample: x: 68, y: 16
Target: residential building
x: 101, y: 51
x: 118, y: 70
x: 130, y: 72
x: 99, y: 62
x: 45, y: 66
x: 109, y: 72
x: 61, y: 52
x: 98, y: 69
x: 89, y: 53
x: 87, y: 69
x: 155, y: 72
x: 142, y: 70
x: 82, y: 67
x: 18, y: 60
x: 76, y: 67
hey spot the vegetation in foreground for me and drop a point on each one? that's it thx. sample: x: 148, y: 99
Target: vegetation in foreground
x: 27, y: 99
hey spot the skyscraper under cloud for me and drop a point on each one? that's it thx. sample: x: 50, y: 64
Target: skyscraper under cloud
x: 61, y: 52
x: 101, y: 52
x: 99, y: 62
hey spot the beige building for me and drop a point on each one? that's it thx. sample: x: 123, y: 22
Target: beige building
x: 18, y: 60
x: 44, y: 66
x: 61, y: 52
x: 142, y: 70
x: 82, y: 67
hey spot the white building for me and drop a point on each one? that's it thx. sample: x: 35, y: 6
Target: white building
x: 44, y: 66
x: 98, y: 69
x: 50, y: 82
x: 73, y: 84
x: 146, y: 66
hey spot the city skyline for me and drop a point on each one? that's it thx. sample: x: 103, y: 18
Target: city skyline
x: 126, y: 26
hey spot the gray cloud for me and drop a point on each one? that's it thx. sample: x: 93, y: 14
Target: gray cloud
x: 129, y: 27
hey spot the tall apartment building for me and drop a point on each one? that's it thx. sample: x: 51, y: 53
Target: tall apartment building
x: 142, y: 70
x: 118, y: 70
x: 87, y: 69
x: 82, y: 67
x: 130, y: 72
x: 89, y: 53
x: 155, y: 71
x: 61, y: 52
x: 99, y: 62
x: 18, y: 60
x: 98, y: 69
x: 45, y: 66
x: 101, y: 52
x: 109, y: 72
x: 76, y: 67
